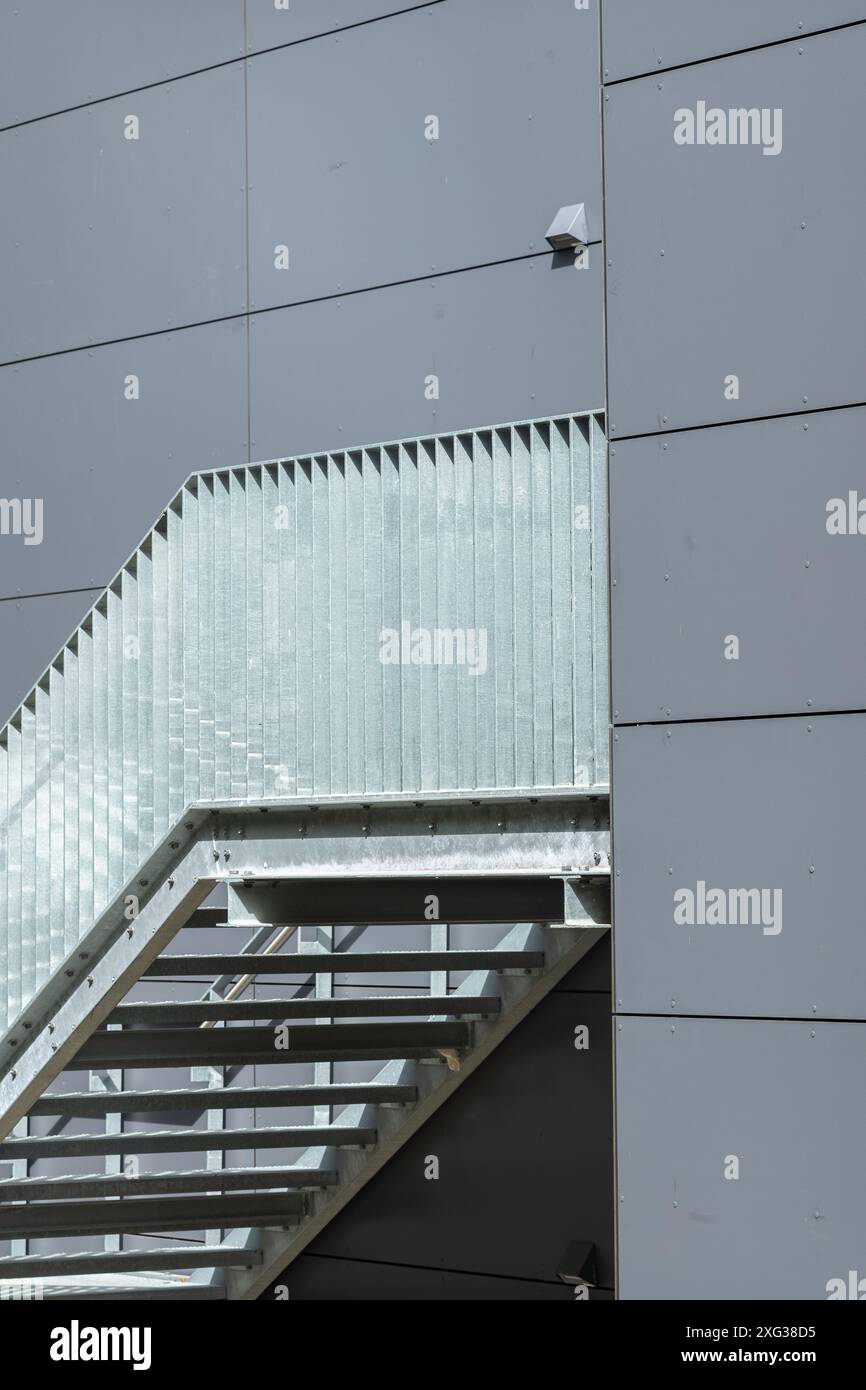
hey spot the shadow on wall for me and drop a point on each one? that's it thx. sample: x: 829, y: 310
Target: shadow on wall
x: 525, y: 1166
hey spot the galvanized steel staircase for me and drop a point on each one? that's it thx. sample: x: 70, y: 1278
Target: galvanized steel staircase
x: 244, y: 711
x: 412, y: 1049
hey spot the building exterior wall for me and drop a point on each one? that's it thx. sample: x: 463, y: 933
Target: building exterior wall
x: 734, y: 333
x: 241, y: 231
x: 147, y: 331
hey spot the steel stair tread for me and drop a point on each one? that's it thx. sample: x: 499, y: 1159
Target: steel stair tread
x: 399, y: 1006
x: 90, y: 1103
x: 39, y: 1220
x: 187, y: 1141
x: 189, y: 1046
x: 101, y: 1261
x: 160, y: 1184
x: 336, y: 963
x: 138, y: 1293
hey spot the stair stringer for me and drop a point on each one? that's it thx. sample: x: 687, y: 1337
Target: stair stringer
x: 563, y: 947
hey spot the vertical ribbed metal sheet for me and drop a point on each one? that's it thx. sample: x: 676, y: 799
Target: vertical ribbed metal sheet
x: 238, y: 656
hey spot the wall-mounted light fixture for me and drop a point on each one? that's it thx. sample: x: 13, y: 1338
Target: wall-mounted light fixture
x: 578, y: 1265
x: 569, y: 228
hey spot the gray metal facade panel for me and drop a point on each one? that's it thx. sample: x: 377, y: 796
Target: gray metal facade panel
x: 54, y: 54
x: 317, y: 1278
x: 721, y: 534
x: 640, y: 38
x: 495, y: 1139
x: 506, y: 341
x: 771, y: 804
x: 274, y: 22
x: 694, y: 1094
x: 592, y: 975
x: 121, y: 236
x: 75, y: 440
x: 735, y: 264
x: 32, y: 631
x: 368, y: 199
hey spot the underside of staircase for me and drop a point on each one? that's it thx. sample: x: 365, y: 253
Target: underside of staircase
x: 267, y: 1012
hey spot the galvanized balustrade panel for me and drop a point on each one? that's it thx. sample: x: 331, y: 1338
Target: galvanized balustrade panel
x: 427, y: 616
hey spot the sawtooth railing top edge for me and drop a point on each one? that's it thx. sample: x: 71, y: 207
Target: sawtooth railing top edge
x: 202, y: 474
